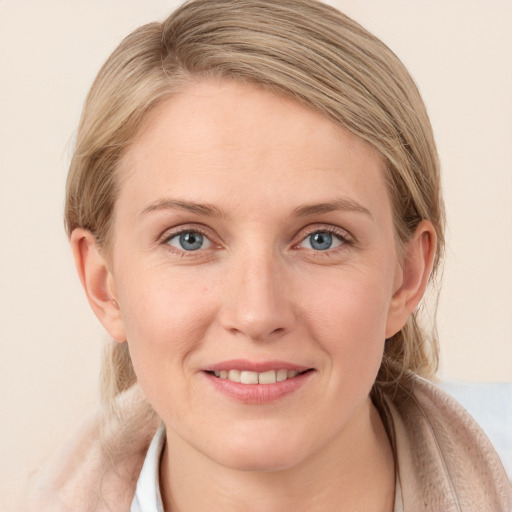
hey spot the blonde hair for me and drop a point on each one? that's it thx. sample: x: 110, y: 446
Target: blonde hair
x: 300, y: 48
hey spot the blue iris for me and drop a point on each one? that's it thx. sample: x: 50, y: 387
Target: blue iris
x: 191, y: 240
x: 321, y: 240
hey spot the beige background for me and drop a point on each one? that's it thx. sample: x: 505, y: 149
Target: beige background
x: 460, y: 53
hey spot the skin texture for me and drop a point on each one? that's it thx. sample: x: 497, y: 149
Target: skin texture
x: 256, y: 175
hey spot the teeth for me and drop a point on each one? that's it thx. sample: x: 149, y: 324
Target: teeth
x: 267, y: 377
x: 281, y: 375
x: 247, y: 377
x: 234, y: 375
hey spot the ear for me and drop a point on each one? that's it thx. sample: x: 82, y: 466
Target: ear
x: 98, y: 282
x: 412, y: 277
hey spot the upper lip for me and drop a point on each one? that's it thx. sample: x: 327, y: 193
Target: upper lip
x: 254, y: 366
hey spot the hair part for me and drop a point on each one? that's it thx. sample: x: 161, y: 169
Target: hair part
x: 302, y: 49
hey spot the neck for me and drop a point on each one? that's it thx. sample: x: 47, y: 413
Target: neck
x: 354, y: 472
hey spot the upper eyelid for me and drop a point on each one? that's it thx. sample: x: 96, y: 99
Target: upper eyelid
x: 335, y: 230
x: 178, y: 230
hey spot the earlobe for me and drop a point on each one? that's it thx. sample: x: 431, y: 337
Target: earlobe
x: 415, y: 271
x: 98, y: 282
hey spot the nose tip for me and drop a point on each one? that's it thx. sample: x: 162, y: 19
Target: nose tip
x: 256, y: 327
x: 258, y: 304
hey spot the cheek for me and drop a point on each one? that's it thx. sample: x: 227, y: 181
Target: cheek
x: 165, y: 319
x: 348, y: 318
x: 159, y: 306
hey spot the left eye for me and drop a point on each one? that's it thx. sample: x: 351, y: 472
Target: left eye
x: 322, y: 241
x: 189, y: 241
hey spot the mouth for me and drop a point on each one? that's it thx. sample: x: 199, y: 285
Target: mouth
x: 257, y: 382
x: 253, y: 377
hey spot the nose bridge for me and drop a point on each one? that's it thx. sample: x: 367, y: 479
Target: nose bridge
x: 257, y: 301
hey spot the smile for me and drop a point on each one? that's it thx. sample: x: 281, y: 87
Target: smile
x: 257, y: 382
x: 249, y: 377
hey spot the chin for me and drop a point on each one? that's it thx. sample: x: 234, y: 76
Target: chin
x: 265, y: 453
x: 259, y: 462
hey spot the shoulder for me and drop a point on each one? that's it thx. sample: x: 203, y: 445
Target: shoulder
x: 97, y: 468
x: 445, y: 460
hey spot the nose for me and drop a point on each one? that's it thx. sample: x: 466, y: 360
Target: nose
x: 257, y: 300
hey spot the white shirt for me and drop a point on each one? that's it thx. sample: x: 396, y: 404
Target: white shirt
x: 147, y: 494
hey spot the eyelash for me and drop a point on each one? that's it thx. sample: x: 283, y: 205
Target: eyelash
x: 169, y: 235
x: 343, y: 236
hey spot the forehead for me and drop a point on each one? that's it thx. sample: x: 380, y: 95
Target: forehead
x: 215, y: 137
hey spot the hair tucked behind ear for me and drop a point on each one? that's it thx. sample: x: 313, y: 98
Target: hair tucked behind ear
x: 127, y: 414
x: 402, y: 359
x: 117, y: 373
x: 299, y: 48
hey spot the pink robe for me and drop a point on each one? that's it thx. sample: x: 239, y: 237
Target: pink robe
x: 445, y: 461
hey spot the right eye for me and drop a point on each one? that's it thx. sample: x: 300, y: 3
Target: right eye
x: 189, y: 240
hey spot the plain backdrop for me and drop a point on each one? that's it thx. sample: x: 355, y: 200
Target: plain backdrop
x: 459, y: 52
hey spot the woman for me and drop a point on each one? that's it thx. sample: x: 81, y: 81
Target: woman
x: 255, y: 212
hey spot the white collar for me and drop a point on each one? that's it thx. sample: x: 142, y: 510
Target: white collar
x: 147, y: 494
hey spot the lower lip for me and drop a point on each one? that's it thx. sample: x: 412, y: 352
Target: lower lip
x: 258, y: 393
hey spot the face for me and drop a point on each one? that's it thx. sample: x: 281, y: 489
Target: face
x: 253, y: 242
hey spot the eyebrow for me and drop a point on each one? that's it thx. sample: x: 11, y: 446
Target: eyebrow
x: 210, y: 210
x: 343, y: 204
x: 177, y: 204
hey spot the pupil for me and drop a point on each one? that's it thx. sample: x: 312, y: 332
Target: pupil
x: 191, y: 241
x: 321, y: 241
